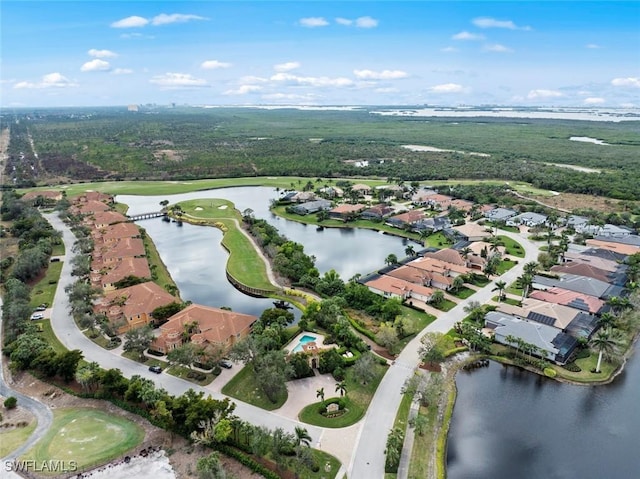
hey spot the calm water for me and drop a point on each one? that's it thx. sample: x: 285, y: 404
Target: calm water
x: 508, y: 424
x: 196, y: 260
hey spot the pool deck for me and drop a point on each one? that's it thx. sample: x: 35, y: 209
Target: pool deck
x: 319, y: 340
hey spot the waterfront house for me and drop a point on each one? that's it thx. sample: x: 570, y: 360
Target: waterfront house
x: 311, y: 207
x: 346, y: 211
x: 576, y: 300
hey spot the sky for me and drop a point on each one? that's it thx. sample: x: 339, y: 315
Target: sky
x: 450, y: 53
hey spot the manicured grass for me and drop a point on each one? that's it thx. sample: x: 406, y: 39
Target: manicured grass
x: 587, y: 364
x: 121, y: 208
x: 156, y: 265
x: 479, y: 280
x: 45, y: 289
x: 12, y: 439
x: 504, y: 266
x: 182, y: 372
x: 423, y: 445
x: 511, y: 246
x: 402, y: 416
x: 358, y: 398
x: 146, y: 360
x: 49, y: 336
x: 438, y: 240
x: 325, y: 461
x: 445, y: 305
x: 244, y: 263
x: 243, y: 387
x: 58, y: 249
x: 462, y: 293
x: 87, y: 436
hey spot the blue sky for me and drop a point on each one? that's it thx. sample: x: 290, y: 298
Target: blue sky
x: 542, y: 53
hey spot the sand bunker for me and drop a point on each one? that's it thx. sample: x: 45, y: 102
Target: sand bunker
x: 154, y: 466
x: 198, y: 208
x: 222, y: 207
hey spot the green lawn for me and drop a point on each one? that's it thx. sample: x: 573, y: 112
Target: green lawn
x: 243, y: 387
x: 46, y: 333
x: 87, y: 436
x: 156, y: 265
x: 45, y: 289
x: 329, y: 466
x: 438, y: 240
x: 587, y: 364
x: 134, y: 356
x: 445, y: 305
x: 358, y: 398
x: 244, y: 263
x: 512, y: 247
x: 182, y: 372
x: 58, y: 249
x: 479, y: 280
x: 462, y: 293
x: 12, y: 439
x: 504, y: 266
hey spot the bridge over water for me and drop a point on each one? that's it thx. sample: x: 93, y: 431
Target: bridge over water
x: 147, y: 216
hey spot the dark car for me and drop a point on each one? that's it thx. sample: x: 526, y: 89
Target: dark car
x: 155, y: 369
x: 225, y: 364
x: 40, y: 308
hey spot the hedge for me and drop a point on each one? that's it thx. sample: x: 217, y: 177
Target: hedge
x: 361, y: 329
x: 245, y: 460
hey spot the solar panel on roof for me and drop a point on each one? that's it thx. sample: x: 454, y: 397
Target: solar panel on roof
x: 541, y: 318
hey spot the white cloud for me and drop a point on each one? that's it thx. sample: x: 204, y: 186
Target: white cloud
x: 122, y: 71
x: 536, y: 94
x: 164, y: 19
x: 285, y: 67
x: 135, y: 35
x: 311, y: 81
x: 312, y: 22
x: 253, y: 79
x: 447, y: 88
x: 130, y: 22
x: 624, y: 82
x: 593, y: 101
x: 178, y: 80
x: 449, y: 49
x: 468, y: 36
x: 51, y: 80
x: 496, y: 47
x: 214, y: 64
x: 96, y: 65
x: 366, y: 22
x: 102, y: 53
x: 344, y: 21
x: 243, y: 90
x: 488, y: 22
x: 381, y: 75
x: 287, y: 96
x: 593, y: 46
x: 386, y: 90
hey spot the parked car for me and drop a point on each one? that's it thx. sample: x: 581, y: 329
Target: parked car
x: 42, y: 307
x: 225, y: 364
x: 155, y: 369
x: 35, y: 316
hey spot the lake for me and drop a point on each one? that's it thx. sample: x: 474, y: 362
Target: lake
x: 196, y: 259
x: 508, y: 423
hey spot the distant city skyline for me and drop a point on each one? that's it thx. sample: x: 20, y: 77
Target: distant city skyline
x: 103, y: 53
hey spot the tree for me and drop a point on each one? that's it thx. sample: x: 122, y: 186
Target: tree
x: 525, y: 282
x: 387, y: 336
x: 11, y: 402
x: 68, y: 363
x: 209, y: 467
x: 302, y: 437
x: 500, y: 287
x: 475, y: 311
x: 431, y: 350
x: 458, y: 282
x: 341, y: 387
x: 419, y: 423
x: 364, y: 368
x: 607, y: 343
x: 437, y: 298
x: 184, y: 355
x: 391, y: 259
x: 410, y: 251
x: 395, y: 440
x: 138, y: 339
x: 320, y: 394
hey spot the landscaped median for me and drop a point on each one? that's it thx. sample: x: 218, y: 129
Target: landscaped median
x: 245, y: 264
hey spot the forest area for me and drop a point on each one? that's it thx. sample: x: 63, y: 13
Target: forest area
x: 61, y: 146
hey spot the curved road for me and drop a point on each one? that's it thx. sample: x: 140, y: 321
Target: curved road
x: 41, y: 412
x: 368, y: 459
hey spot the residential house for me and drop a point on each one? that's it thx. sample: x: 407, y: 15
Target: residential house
x: 471, y: 232
x: 462, y: 205
x: 527, y: 219
x: 391, y: 287
x: 131, y: 307
x: 312, y: 207
x: 572, y: 321
x: 346, y: 211
x: 203, y: 326
x: 609, y: 265
x: 421, y: 197
x: 620, y: 248
x: 331, y: 192
x: 500, y: 215
x: 433, y: 225
x: 377, y: 212
x: 579, y: 284
x: 576, y: 300
x: 404, y: 220
x: 89, y: 207
x: 115, y: 233
x: 361, y: 189
x: 43, y: 197
x: 439, y: 202
x: 94, y: 196
x: 303, y: 196
x: 435, y: 279
x: 106, y: 275
x: 551, y: 343
x: 582, y: 269
x: 115, y: 251
x: 102, y: 219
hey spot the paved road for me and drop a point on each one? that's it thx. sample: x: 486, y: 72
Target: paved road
x: 41, y: 412
x: 368, y: 458
x: 68, y: 333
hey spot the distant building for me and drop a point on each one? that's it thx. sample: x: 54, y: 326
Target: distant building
x: 311, y: 207
x: 132, y: 108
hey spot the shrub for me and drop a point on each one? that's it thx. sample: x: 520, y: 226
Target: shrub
x: 550, y: 372
x: 10, y: 402
x: 584, y: 353
x: 573, y: 367
x: 196, y: 375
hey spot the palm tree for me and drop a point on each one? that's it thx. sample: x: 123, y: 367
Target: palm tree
x: 607, y: 342
x: 531, y: 268
x: 410, y: 251
x: 458, y: 282
x: 465, y: 252
x: 606, y: 320
x: 320, y: 394
x: 341, y: 387
x: 395, y: 439
x: 500, y: 287
x: 525, y: 282
x: 302, y: 437
x: 423, y: 235
x: 391, y: 259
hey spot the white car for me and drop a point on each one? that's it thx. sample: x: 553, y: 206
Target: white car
x: 35, y: 316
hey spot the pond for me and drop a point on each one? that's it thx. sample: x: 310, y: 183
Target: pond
x: 196, y: 259
x: 509, y: 423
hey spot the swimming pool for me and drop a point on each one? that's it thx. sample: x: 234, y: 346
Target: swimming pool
x: 302, y: 341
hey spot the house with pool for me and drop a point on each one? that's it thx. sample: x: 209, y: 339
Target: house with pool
x: 311, y: 344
